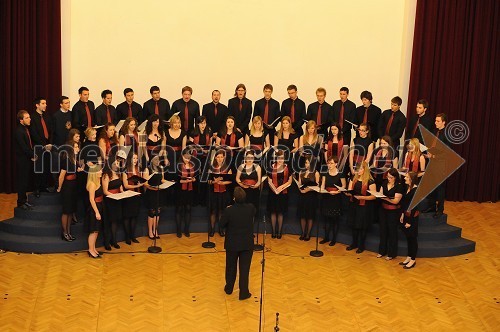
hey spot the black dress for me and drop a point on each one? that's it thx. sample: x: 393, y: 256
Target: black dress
x: 174, y: 150
x: 361, y: 212
x: 287, y: 145
x: 409, y: 217
x: 308, y: 202
x: 153, y: 147
x: 113, y: 206
x: 331, y: 205
x: 132, y: 204
x: 250, y: 178
x: 69, y: 188
x: 380, y: 163
x: 219, y: 195
x: 360, y: 149
x: 185, y: 191
x: 94, y: 224
x: 278, y: 203
x: 389, y: 220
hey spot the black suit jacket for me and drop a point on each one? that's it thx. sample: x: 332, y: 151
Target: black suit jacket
x: 164, y: 110
x: 397, y: 126
x: 273, y: 109
x: 238, y: 221
x: 300, y: 113
x: 373, y: 118
x: 193, y: 112
x: 79, y: 115
x: 122, y: 111
x: 36, y: 129
x: 22, y: 145
x: 425, y: 120
x: 101, y: 117
x: 215, y: 123
x: 242, y: 118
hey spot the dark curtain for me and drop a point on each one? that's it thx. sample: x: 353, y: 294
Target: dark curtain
x: 30, y: 66
x: 455, y: 66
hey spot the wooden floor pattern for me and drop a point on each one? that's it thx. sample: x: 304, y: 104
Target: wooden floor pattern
x: 181, y: 289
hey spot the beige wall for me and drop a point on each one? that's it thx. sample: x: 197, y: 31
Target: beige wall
x: 217, y: 44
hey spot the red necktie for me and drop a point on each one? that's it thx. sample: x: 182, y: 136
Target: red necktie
x: 108, y: 115
x: 266, y: 112
x: 365, y: 117
x: 156, y: 108
x: 130, y: 110
x: 341, y: 117
x: 215, y: 109
x: 318, y: 120
x: 186, y: 117
x: 435, y: 139
x: 44, y: 126
x: 292, y: 111
x: 89, y: 117
x: 241, y: 105
x: 29, y: 137
x: 415, y: 129
x: 388, y: 127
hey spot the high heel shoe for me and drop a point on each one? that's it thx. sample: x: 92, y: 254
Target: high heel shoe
x: 279, y: 236
x: 325, y: 240
x: 71, y: 237
x: 134, y: 240
x: 66, y: 237
x: 151, y: 237
x: 115, y: 245
x: 307, y: 237
x: 406, y: 267
x: 404, y: 262
x: 128, y: 241
x: 107, y: 247
x: 273, y: 235
x: 92, y: 256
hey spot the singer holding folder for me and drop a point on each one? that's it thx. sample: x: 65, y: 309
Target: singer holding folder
x: 308, y: 200
x: 112, y: 184
x: 219, y: 198
x: 277, y: 199
x: 238, y: 220
x: 151, y: 194
x: 96, y: 213
x: 132, y: 180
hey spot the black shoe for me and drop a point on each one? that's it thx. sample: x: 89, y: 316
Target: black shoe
x: 128, y: 242
x: 325, y: 240
x: 301, y: 238
x: 332, y: 243
x: 157, y: 237
x: 279, y: 236
x: 222, y: 233
x: 246, y: 296
x: 115, y: 245
x: 29, y: 205
x: 151, y: 237
x: 273, y: 235
x: 228, y: 290
x: 359, y: 251
x: 351, y: 247
x: 307, y: 238
x: 72, y: 237
x: 134, y: 240
x: 92, y: 256
x: 37, y: 193
x: 107, y: 247
x: 51, y: 190
x: 403, y: 263
x: 25, y: 207
x: 212, y: 233
x: 66, y: 237
x: 179, y: 234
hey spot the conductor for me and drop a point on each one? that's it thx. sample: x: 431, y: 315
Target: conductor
x: 238, y: 221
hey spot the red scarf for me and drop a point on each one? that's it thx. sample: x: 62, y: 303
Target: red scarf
x: 340, y: 145
x: 219, y: 188
x: 187, y: 173
x: 414, y: 166
x: 364, y: 188
x: 232, y: 140
x: 274, y: 177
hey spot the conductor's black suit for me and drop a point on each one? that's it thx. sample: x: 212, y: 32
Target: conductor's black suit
x: 238, y: 221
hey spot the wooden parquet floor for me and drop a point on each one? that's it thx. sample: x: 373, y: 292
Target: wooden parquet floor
x: 181, y: 289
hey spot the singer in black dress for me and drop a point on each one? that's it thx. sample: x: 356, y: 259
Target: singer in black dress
x: 231, y: 139
x: 155, y: 144
x: 152, y: 196
x: 96, y: 212
x: 248, y: 177
x: 69, y: 190
x: 201, y: 139
x: 132, y: 204
x: 409, y: 220
x: 107, y: 141
x: 331, y: 202
x: 129, y: 136
x: 112, y: 184
x: 384, y: 158
x: 361, y: 148
x: 308, y: 201
x: 219, y: 195
x: 279, y: 179
x: 185, y: 189
x: 257, y: 139
x: 389, y: 213
x: 286, y: 139
x: 361, y: 209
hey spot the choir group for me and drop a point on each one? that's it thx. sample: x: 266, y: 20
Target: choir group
x: 116, y: 159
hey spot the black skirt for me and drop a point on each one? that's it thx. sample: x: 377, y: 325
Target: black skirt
x: 184, y: 197
x: 69, y: 193
x: 277, y: 203
x: 94, y: 224
x: 331, y: 205
x: 113, y: 210
x: 219, y: 201
x: 131, y: 206
x: 308, y: 204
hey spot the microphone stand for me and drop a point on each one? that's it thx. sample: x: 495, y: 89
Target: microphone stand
x: 262, y: 273
x: 317, y: 252
x: 257, y: 246
x: 208, y: 243
x: 277, y: 328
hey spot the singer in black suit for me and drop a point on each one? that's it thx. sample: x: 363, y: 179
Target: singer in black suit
x: 215, y: 121
x: 106, y: 112
x: 156, y: 105
x: 299, y: 109
x: 324, y: 119
x: 80, y: 118
x: 129, y: 108
x: 24, y: 158
x: 40, y: 137
x: 421, y: 117
x: 240, y: 107
x: 193, y: 109
x: 238, y: 221
x: 267, y: 108
x: 393, y: 128
x: 368, y: 113
x: 347, y: 113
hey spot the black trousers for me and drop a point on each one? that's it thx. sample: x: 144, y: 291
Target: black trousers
x: 439, y: 194
x: 242, y: 259
x: 24, y: 168
x: 42, y: 168
x: 388, y: 223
